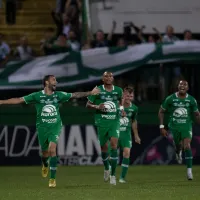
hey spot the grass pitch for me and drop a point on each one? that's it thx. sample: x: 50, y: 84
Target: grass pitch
x: 86, y: 183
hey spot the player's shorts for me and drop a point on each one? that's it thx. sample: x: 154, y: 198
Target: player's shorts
x: 105, y: 133
x: 125, y: 140
x: 47, y: 135
x: 179, y: 135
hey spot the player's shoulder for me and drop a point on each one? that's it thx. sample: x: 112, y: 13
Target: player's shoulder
x: 117, y: 88
x: 170, y: 97
x: 191, y: 97
x: 134, y: 107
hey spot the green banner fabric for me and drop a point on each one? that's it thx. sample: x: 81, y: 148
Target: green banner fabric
x: 73, y: 68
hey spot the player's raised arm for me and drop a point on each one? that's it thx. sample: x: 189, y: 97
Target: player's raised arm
x: 77, y: 95
x: 12, y: 101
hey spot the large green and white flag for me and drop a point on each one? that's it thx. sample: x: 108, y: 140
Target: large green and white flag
x: 81, y: 67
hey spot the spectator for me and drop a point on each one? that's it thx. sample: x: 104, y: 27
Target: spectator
x: 73, y: 42
x: 169, y: 36
x: 187, y: 35
x: 62, y: 23
x: 23, y: 51
x: 73, y: 10
x: 4, y: 49
x: 49, y: 38
x: 100, y: 38
x: 11, y: 6
x: 121, y: 42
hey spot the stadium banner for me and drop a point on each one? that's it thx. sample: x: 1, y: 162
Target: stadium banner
x: 75, y: 68
x: 78, y: 145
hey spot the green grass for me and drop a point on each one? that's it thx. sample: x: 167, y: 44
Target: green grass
x: 86, y: 183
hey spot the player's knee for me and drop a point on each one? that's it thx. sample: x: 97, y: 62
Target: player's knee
x: 104, y: 148
x: 126, y: 153
x: 187, y: 144
x: 52, y: 149
x: 113, y: 143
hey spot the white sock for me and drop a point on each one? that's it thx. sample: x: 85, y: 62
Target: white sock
x: 189, y: 170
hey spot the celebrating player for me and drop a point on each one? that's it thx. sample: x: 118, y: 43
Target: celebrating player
x: 125, y: 140
x: 181, y: 107
x: 49, y: 122
x: 107, y: 105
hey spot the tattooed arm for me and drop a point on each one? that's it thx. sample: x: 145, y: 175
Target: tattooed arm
x: 77, y: 95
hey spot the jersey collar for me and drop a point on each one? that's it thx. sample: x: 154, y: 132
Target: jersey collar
x: 178, y: 97
x: 43, y: 92
x: 112, y: 88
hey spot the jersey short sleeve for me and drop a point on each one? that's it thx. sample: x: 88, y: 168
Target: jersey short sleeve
x: 91, y: 98
x: 166, y: 103
x: 134, y: 116
x: 120, y: 93
x: 194, y: 105
x: 64, y: 96
x: 31, y: 98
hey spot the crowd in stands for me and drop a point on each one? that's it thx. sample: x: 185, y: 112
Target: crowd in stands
x: 67, y: 37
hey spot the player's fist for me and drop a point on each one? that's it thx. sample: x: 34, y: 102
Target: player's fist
x: 95, y: 91
x: 137, y: 139
x: 123, y: 113
x: 101, y: 106
x: 163, y: 132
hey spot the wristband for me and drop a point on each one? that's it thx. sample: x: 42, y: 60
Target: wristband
x: 121, y: 107
x: 161, y: 126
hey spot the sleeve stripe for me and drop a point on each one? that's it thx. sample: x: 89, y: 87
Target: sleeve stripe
x: 197, y: 110
x: 24, y: 100
x: 162, y: 107
x: 89, y: 100
x: 70, y: 95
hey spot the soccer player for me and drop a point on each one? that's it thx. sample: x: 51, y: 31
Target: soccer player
x: 182, y: 107
x: 107, y: 105
x: 125, y: 139
x: 48, y: 122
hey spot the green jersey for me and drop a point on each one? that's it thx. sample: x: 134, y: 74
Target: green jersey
x: 131, y: 115
x: 181, y: 111
x: 47, y: 107
x: 111, y: 102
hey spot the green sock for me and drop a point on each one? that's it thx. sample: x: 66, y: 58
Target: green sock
x: 125, y: 164
x: 188, y: 158
x: 105, y: 159
x: 113, y: 161
x: 45, y: 161
x: 53, y: 167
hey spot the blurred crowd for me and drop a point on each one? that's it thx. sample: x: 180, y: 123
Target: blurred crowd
x: 68, y: 36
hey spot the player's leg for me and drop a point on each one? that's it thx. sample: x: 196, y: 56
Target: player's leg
x: 53, y: 164
x: 177, y: 144
x: 126, y: 144
x: 43, y: 141
x: 188, y: 153
x: 103, y: 140
x: 114, y: 135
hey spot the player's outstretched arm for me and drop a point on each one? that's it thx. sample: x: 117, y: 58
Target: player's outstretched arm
x: 12, y: 101
x: 77, y: 95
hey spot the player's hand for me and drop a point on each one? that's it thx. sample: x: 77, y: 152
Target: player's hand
x: 123, y: 113
x: 163, y: 132
x: 137, y: 139
x: 95, y: 91
x: 101, y: 106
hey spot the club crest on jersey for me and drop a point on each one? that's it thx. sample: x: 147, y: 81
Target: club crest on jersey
x: 49, y: 110
x: 109, y: 107
x: 180, y: 112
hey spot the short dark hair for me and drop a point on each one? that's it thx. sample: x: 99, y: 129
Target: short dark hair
x: 46, y: 78
x: 129, y: 88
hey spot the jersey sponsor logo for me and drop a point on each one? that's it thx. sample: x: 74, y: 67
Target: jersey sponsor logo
x: 109, y: 107
x: 109, y: 116
x: 124, y: 121
x: 49, y: 111
x: 180, y: 112
x: 123, y: 128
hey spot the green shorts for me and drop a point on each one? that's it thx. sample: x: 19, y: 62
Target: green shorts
x: 105, y: 133
x: 179, y: 135
x: 47, y: 135
x: 125, y: 140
